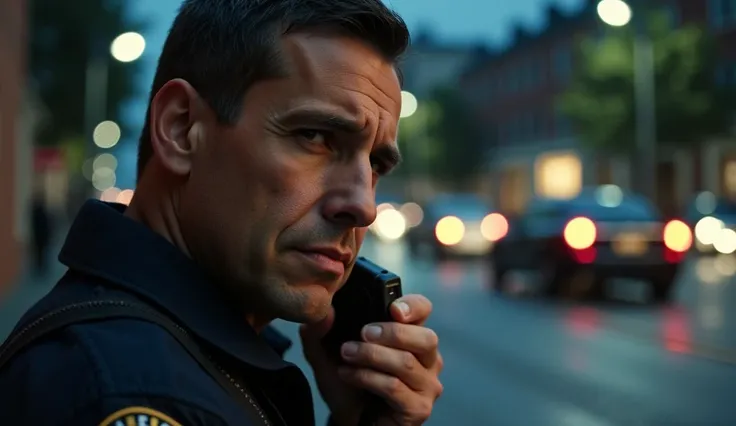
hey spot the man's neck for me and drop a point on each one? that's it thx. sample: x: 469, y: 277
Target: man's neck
x: 155, y: 206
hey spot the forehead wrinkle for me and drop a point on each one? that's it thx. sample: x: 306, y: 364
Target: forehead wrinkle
x: 315, y: 72
x: 307, y: 67
x: 367, y: 87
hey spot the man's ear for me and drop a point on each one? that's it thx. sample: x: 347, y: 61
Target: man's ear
x: 175, y: 130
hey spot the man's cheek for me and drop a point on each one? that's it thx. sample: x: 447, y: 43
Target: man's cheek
x: 359, y: 237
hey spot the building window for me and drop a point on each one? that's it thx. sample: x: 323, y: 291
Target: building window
x: 514, y: 79
x: 558, y: 175
x: 489, y: 87
x: 537, y: 125
x: 563, y: 127
x: 514, y: 130
x: 726, y: 75
x: 530, y: 74
x: 722, y: 13
x: 673, y: 14
x: 562, y: 63
x: 721, y: 76
x: 537, y: 71
x: 729, y: 177
x: 518, y: 133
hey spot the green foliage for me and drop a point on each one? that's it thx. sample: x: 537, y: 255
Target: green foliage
x: 62, y: 36
x: 442, y: 139
x: 689, y: 107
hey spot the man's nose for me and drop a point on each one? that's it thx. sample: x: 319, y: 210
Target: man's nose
x: 351, y: 198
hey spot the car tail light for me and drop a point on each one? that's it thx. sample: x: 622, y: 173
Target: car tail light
x: 494, y: 227
x: 677, y: 236
x: 580, y: 233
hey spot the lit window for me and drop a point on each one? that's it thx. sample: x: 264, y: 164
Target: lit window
x: 729, y: 177
x: 558, y: 176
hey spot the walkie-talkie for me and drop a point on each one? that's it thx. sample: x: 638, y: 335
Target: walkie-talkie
x: 365, y: 298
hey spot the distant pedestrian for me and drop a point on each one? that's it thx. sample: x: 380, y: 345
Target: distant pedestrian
x: 40, y: 232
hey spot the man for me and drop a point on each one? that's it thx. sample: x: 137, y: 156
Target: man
x: 40, y: 230
x: 269, y: 126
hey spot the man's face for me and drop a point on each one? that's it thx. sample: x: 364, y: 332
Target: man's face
x: 278, y: 204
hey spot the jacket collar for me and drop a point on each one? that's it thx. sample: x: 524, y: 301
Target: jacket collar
x: 103, y: 242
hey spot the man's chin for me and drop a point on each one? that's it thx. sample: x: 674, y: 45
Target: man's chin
x: 313, y: 305
x: 305, y: 316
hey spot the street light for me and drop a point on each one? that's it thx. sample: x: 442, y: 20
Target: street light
x: 126, y: 47
x: 618, y: 13
x: 106, y: 135
x: 409, y: 104
x: 615, y: 13
x: 409, y: 107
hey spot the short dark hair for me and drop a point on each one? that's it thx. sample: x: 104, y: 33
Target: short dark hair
x: 223, y: 47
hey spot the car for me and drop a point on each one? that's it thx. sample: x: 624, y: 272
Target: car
x: 713, y: 221
x: 456, y: 225
x: 604, y: 232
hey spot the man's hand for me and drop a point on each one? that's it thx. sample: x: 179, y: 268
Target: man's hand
x: 397, y: 361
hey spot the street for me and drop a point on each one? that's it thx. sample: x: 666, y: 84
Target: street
x: 522, y: 360
x: 527, y: 361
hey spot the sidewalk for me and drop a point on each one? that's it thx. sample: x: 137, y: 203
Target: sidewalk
x: 29, y: 289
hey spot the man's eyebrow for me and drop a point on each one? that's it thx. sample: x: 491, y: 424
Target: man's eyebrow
x: 322, y: 119
x: 386, y: 154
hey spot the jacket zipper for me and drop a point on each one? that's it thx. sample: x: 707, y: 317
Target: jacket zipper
x: 96, y: 303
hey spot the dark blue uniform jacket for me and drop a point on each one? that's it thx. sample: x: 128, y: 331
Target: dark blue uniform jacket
x: 127, y: 372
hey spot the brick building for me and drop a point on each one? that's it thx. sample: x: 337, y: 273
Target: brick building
x: 429, y: 64
x: 534, y: 148
x: 12, y: 82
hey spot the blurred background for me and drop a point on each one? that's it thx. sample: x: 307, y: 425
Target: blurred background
x: 568, y: 197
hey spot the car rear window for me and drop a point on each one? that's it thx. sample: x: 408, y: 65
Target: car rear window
x: 632, y: 210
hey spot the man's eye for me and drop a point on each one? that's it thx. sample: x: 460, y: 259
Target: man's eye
x: 312, y: 136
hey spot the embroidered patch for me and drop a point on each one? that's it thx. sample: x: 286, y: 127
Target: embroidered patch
x: 139, y: 416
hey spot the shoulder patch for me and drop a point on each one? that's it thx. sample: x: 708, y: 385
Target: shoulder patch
x: 139, y: 416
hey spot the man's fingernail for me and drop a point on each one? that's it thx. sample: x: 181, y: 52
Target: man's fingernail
x: 404, y: 308
x: 350, y: 349
x: 373, y: 332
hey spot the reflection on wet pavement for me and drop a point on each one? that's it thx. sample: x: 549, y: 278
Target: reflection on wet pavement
x: 523, y: 360
x: 700, y: 316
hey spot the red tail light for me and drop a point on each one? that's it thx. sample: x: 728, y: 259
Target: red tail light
x: 677, y: 236
x: 580, y: 233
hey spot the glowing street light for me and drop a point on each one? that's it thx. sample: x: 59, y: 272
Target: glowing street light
x: 128, y: 47
x: 101, y: 133
x: 107, y: 134
x: 409, y: 104
x: 615, y: 13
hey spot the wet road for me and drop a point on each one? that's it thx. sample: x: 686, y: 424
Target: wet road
x: 529, y: 362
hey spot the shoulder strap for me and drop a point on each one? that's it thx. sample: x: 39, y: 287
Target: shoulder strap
x: 100, y: 310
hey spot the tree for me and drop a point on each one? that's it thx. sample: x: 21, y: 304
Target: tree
x: 689, y: 106
x: 62, y: 39
x: 442, y: 139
